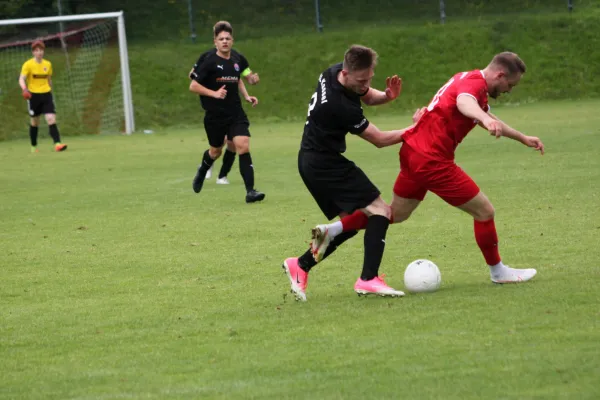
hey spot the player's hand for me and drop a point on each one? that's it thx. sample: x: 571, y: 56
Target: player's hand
x: 493, y: 126
x: 535, y: 142
x: 221, y: 93
x: 253, y: 100
x: 393, y: 87
x: 418, y: 114
x: 26, y: 94
x: 253, y: 78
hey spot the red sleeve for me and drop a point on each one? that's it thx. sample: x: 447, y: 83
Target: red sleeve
x: 475, y: 88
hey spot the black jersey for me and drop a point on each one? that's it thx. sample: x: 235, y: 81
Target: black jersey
x: 333, y: 111
x: 212, y: 72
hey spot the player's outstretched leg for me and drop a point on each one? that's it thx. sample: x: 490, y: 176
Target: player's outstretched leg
x: 482, y: 211
x: 198, y: 181
x: 504, y: 274
x: 297, y: 276
x: 323, y: 235
x: 306, y: 262
x: 487, y: 240
x: 320, y: 239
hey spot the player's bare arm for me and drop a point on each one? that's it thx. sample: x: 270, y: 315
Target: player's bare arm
x: 382, y: 138
x: 393, y: 87
x: 197, y: 88
x: 499, y: 128
x: 252, y: 78
x: 468, y: 106
x: 512, y: 133
x: 250, y: 99
x: 23, y: 84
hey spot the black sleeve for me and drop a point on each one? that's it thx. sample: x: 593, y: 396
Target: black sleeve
x: 201, y: 69
x: 243, y: 63
x: 353, y: 119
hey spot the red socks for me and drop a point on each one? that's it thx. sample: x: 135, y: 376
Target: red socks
x: 485, y: 234
x: 355, y: 221
x: 487, y: 240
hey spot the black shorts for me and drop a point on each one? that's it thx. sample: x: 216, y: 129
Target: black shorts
x: 219, y: 127
x: 336, y: 183
x: 41, y: 103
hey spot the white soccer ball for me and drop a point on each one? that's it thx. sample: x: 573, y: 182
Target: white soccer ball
x: 422, y: 276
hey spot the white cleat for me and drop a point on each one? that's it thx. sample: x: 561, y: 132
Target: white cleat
x: 320, y: 241
x: 209, y: 172
x: 512, y: 275
x: 223, y: 181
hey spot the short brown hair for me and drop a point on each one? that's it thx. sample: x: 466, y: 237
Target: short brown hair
x: 509, y: 62
x: 222, y: 26
x: 358, y: 58
x: 38, y: 44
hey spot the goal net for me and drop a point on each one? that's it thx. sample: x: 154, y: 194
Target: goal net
x: 90, y: 80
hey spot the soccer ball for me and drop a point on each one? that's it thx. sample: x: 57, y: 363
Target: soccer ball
x: 422, y: 276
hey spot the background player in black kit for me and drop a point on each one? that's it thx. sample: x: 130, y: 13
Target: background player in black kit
x: 216, y: 78
x: 338, y: 186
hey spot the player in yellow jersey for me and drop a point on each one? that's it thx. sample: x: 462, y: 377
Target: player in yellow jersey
x: 36, y: 82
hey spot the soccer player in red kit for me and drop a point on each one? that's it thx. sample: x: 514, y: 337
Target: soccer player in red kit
x: 427, y: 159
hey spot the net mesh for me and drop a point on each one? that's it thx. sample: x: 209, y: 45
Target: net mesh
x: 87, y: 87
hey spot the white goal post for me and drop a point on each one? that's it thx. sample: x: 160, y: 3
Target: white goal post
x: 125, y: 81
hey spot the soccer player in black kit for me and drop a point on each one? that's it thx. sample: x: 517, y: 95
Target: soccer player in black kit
x: 216, y: 77
x: 338, y: 186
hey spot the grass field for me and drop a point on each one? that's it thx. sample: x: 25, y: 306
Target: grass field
x: 118, y: 282
x: 558, y: 48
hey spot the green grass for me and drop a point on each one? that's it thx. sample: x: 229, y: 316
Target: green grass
x: 119, y: 282
x: 559, y: 50
x: 263, y: 18
x: 169, y: 20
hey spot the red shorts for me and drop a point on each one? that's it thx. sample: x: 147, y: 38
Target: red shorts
x: 419, y: 174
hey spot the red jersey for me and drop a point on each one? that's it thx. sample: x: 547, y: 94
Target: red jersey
x: 442, y: 127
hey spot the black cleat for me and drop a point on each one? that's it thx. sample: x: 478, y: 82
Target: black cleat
x: 198, y: 180
x: 253, y: 196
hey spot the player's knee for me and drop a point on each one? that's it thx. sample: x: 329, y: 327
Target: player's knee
x: 490, y: 212
x: 51, y: 119
x: 242, y: 144
x: 485, y: 212
x: 383, y: 210
x: 400, y: 216
x: 388, y: 213
x: 242, y: 147
x: 34, y: 122
x: 215, y: 152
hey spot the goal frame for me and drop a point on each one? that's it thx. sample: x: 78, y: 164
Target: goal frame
x: 123, y: 54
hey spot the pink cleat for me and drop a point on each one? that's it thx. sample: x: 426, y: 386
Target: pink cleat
x: 376, y: 286
x: 298, y: 277
x: 320, y: 241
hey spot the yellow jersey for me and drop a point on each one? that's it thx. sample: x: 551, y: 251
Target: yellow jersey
x: 37, y: 75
